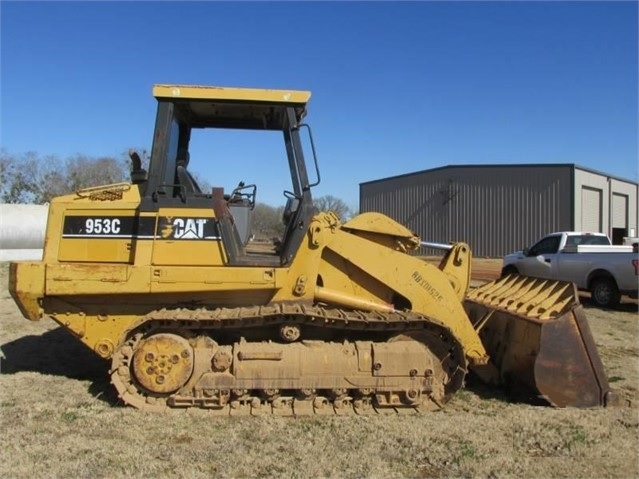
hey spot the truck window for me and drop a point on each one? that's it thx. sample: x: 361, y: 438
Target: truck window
x: 548, y: 245
x: 596, y: 240
x: 576, y: 240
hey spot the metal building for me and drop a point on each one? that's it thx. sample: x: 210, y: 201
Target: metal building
x: 498, y: 209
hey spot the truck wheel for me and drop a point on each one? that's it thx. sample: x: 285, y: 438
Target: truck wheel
x: 604, y: 292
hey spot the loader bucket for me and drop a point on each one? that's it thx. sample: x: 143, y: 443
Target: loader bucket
x: 539, y: 341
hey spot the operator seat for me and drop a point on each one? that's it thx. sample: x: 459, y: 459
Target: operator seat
x: 184, y: 177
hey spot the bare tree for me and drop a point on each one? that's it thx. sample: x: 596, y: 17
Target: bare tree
x: 21, y: 182
x: 267, y: 222
x: 331, y: 203
x: 83, y: 171
x: 31, y: 178
x: 7, y: 176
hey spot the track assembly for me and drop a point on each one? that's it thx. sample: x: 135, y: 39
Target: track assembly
x: 317, y: 361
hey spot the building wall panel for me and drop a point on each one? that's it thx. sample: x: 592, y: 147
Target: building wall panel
x: 496, y: 209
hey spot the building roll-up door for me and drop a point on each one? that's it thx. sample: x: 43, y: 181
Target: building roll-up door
x: 590, y: 209
x: 619, y: 211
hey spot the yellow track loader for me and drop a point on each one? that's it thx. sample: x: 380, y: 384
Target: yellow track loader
x: 160, y: 277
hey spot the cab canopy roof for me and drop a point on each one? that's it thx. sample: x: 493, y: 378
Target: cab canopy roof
x: 221, y: 107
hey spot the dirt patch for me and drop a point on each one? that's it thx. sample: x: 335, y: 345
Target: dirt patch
x: 61, y: 418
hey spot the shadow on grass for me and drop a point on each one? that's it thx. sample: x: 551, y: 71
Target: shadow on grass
x: 57, y: 353
x: 627, y: 305
x: 502, y: 393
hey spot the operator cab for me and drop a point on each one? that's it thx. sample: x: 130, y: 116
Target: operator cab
x: 183, y: 110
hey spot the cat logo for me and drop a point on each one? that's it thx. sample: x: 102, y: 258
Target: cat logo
x: 183, y: 228
x: 190, y: 228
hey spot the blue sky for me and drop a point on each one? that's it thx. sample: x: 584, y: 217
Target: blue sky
x: 396, y: 87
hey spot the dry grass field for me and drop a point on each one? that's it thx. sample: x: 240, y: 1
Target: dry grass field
x: 61, y: 418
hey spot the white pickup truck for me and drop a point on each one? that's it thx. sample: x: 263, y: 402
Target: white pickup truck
x: 586, y: 259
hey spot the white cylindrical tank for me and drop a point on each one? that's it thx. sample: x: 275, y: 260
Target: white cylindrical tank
x: 22, y: 226
x: 21, y: 254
